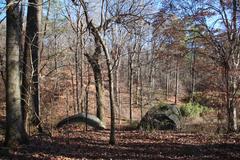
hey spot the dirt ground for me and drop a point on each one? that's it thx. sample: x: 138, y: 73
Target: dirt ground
x: 75, y: 143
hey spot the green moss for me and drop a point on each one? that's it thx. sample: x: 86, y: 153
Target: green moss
x: 162, y: 106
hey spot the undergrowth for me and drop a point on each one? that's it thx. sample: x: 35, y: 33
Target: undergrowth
x: 194, y: 109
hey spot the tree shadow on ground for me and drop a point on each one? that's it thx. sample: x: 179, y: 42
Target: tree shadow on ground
x: 89, y: 147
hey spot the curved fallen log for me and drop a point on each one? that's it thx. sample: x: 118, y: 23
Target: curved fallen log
x: 91, y: 120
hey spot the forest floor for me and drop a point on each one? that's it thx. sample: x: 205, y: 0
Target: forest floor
x: 74, y: 142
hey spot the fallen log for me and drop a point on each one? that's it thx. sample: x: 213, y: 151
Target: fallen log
x: 91, y: 120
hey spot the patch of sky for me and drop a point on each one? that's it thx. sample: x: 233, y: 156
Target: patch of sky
x: 2, y: 10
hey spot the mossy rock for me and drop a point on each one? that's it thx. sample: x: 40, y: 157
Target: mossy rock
x: 161, y: 117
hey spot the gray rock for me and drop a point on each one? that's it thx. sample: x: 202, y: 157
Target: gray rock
x: 162, y: 117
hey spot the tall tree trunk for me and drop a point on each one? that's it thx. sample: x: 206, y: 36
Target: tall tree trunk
x: 130, y: 77
x: 167, y: 85
x: 99, y: 44
x: 176, y: 81
x: 25, y: 77
x: 151, y: 82
x: 81, y: 63
x: 87, y: 95
x: 116, y: 86
x: 22, y: 35
x: 77, y: 70
x: 15, y: 132
x: 112, y: 140
x: 36, y: 61
x: 119, y: 105
x: 93, y: 60
x: 73, y: 92
x: 231, y: 108
x: 31, y: 63
x: 99, y: 90
x: 141, y: 91
x: 232, y: 117
x: 137, y: 83
x: 193, y: 61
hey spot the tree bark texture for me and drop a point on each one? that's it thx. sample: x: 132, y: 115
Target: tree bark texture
x: 93, y: 60
x: 30, y: 76
x: 15, y: 133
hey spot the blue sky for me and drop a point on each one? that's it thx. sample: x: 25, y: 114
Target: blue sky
x: 94, y: 2
x: 2, y: 9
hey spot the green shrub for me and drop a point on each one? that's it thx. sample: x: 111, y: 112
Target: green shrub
x: 193, y: 109
x: 210, y: 99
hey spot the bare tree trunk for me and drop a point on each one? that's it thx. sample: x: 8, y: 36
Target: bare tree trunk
x: 26, y: 99
x: 77, y: 107
x: 31, y: 97
x: 22, y: 35
x: 116, y: 87
x: 176, y: 80
x: 37, y: 14
x: 119, y: 105
x: 137, y: 77
x: 130, y: 75
x: 110, y: 81
x: 167, y: 85
x: 232, y: 117
x: 231, y: 108
x: 73, y: 92
x: 87, y: 95
x: 151, y: 83
x: 15, y: 131
x: 112, y: 139
x: 193, y: 60
x: 2, y: 71
x: 232, y: 126
x: 81, y: 63
x: 141, y: 91
x: 116, y: 82
x: 93, y: 60
x: 99, y: 43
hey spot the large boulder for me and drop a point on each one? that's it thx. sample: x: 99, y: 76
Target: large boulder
x: 162, y: 117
